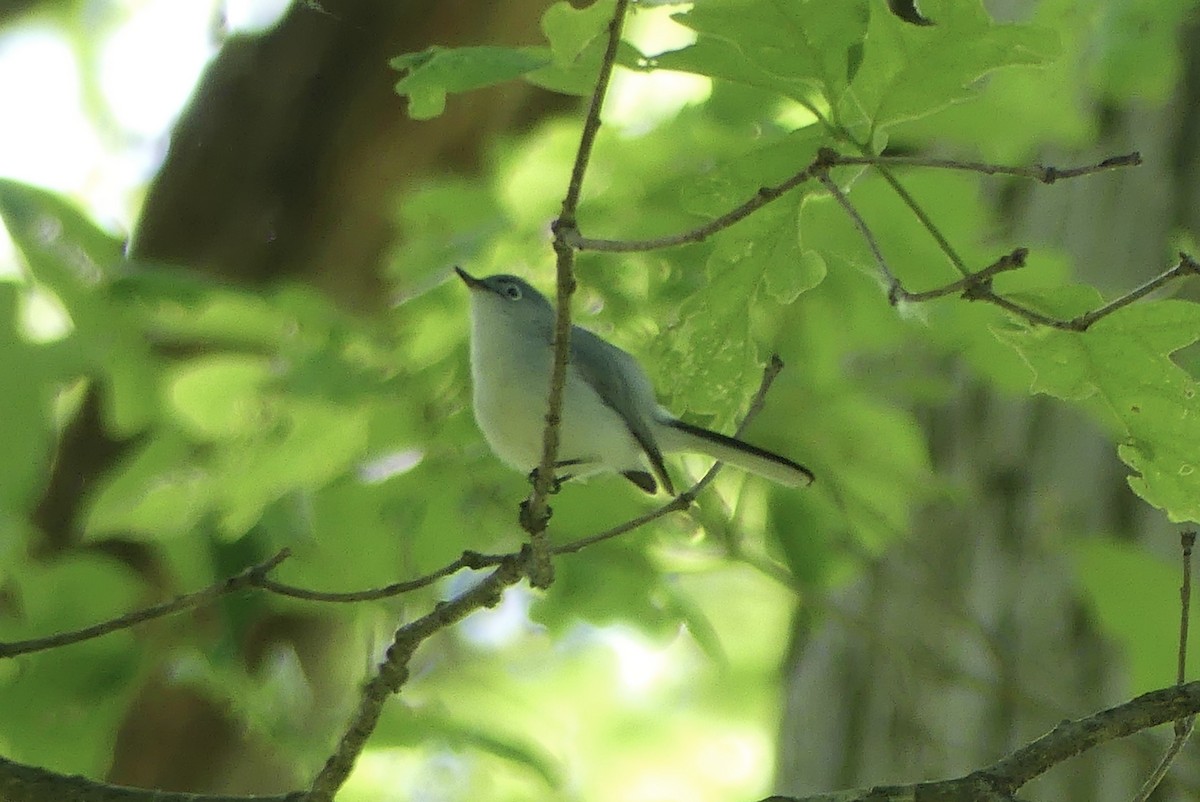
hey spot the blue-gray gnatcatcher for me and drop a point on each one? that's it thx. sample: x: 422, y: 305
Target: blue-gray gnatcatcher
x: 610, y: 418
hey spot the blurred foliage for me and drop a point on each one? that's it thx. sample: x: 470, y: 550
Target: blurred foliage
x: 261, y: 419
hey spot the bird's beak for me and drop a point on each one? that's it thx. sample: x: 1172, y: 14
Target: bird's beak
x: 469, y: 280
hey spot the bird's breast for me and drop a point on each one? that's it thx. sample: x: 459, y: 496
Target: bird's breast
x: 510, y: 383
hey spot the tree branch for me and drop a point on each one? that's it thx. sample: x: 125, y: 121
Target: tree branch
x: 760, y: 199
x: 249, y: 578
x: 978, y: 286
x: 535, y: 513
x: 999, y: 781
x: 468, y: 559
x: 1044, y: 174
x: 973, y: 286
x: 1186, y: 266
x: 825, y: 160
x: 1002, y: 779
x: 21, y: 783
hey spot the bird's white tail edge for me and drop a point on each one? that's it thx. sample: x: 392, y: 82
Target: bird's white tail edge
x: 679, y: 436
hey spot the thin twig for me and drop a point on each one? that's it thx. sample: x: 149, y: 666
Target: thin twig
x: 828, y: 158
x: 393, y: 671
x: 1183, y: 726
x: 925, y: 220
x: 1020, y: 310
x: 468, y: 559
x: 996, y: 782
x: 968, y: 284
x: 23, y: 783
x: 1038, y: 172
x: 1187, y: 540
x: 249, y: 578
x: 535, y: 513
x: 1186, y: 266
x: 760, y: 199
x: 978, y: 286
x: 865, y: 230
x: 1047, y: 175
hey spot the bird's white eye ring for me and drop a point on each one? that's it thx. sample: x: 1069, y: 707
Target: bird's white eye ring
x: 513, y: 292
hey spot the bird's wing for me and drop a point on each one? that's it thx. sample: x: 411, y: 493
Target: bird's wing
x: 623, y: 387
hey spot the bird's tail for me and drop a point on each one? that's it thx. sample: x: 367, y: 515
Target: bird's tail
x: 680, y: 436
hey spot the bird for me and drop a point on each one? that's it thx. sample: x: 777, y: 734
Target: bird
x: 611, y: 420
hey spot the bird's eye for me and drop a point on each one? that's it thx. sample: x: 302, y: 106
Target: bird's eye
x: 513, y: 292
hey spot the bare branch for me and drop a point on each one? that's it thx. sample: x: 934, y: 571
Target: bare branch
x: 760, y: 199
x: 1186, y: 266
x: 21, y: 783
x: 1071, y: 738
x: 999, y: 781
x: 1183, y: 727
x: 863, y: 229
x: 968, y: 285
x: 535, y: 513
x: 925, y: 220
x: 978, y: 286
x: 1044, y: 174
x: 249, y: 578
x: 393, y: 671
x: 828, y: 158
x: 468, y: 559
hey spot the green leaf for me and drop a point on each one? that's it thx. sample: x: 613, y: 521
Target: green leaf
x: 436, y: 71
x: 220, y: 396
x: 159, y: 491
x: 570, y: 30
x: 578, y: 76
x: 441, y: 726
x: 739, y: 177
x: 77, y: 261
x: 802, y: 50
x: 708, y: 362
x: 768, y: 243
x: 617, y: 584
x: 186, y: 307
x: 28, y: 429
x: 64, y: 250
x: 1121, y: 369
